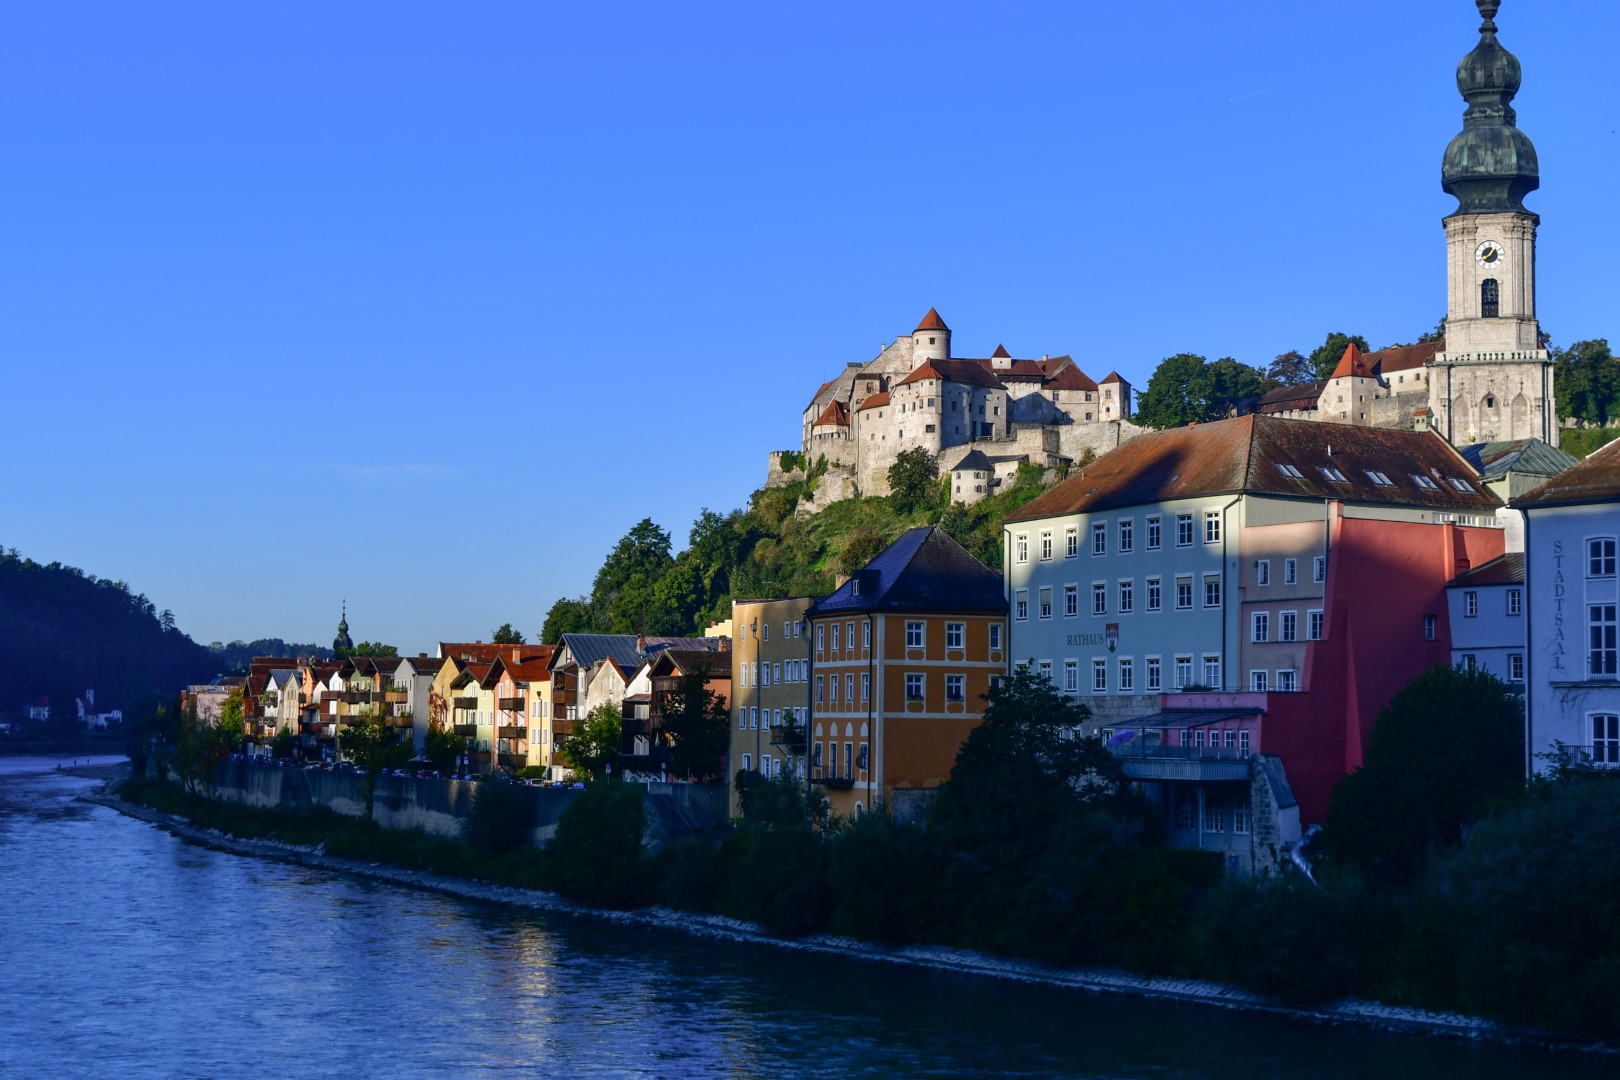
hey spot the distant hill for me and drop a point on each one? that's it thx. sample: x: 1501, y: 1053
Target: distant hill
x: 233, y: 659
x: 62, y: 631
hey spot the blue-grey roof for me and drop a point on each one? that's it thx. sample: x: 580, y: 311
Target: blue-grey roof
x: 591, y: 649
x: 1530, y: 457
x: 1503, y: 570
x: 924, y: 570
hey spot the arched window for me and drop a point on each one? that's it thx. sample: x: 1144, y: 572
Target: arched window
x: 1489, y: 299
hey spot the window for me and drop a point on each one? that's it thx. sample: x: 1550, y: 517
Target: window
x: 742, y: 719
x: 1099, y: 538
x: 1046, y: 602
x: 1313, y: 626
x: 1429, y: 627
x: 1378, y: 478
x: 1071, y: 676
x: 1099, y: 676
x: 1261, y: 621
x: 753, y: 717
x: 1490, y: 299
x: 1214, y: 818
x: 1460, y: 485
x: 1288, y: 626
x: 1515, y: 667
x: 995, y: 682
x: 1153, y: 533
x: 1127, y: 677
x: 818, y: 689
x: 1021, y: 548
x: 778, y: 673
x: 1606, y: 739
x: 1184, y: 530
x: 1469, y: 663
x: 914, y: 686
x: 1183, y: 593
x: 1290, y: 471
x: 1046, y: 546
x: 1600, y: 557
x: 1243, y: 740
x: 954, y: 633
x: 1285, y: 682
x: 1515, y: 602
x: 1183, y: 671
x: 832, y: 688
x: 1186, y: 810
x: 1240, y: 817
x: 834, y: 637
x: 1290, y: 571
x: 1212, y: 672
x: 956, y: 688
x: 1262, y: 572
x: 1601, y: 655
x: 1424, y: 482
x: 820, y: 638
x: 765, y: 675
x: 1153, y: 675
x: 1071, y: 600
x: 1045, y: 668
x: 866, y: 686
x: 1099, y: 598
x: 849, y: 636
x: 1021, y: 605
x: 1126, y: 588
x: 914, y: 635
x: 1126, y: 528
x: 995, y: 636
x: 1071, y: 543
x: 849, y: 687
x: 1319, y: 569
x: 748, y: 762
x: 1333, y: 474
x: 1212, y: 590
x: 866, y: 634
x: 1155, y: 594
x: 1212, y: 526
x: 1470, y: 604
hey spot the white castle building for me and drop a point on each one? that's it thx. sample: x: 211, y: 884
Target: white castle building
x: 977, y: 416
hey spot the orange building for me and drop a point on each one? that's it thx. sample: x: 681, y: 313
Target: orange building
x: 901, y: 656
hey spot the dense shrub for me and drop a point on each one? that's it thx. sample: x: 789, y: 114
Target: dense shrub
x: 876, y: 871
x: 499, y: 820
x: 1284, y: 938
x: 597, y: 855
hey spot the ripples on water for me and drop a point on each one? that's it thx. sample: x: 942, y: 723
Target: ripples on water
x: 127, y: 953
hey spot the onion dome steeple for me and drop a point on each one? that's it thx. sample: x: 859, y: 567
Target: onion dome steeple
x: 343, y: 643
x: 1491, y: 165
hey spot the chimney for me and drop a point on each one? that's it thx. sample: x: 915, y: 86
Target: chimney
x: 641, y: 643
x: 724, y: 644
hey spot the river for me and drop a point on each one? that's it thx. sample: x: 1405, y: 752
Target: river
x: 125, y: 952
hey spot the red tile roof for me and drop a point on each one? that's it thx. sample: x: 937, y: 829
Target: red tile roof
x: 1352, y: 365
x: 877, y: 400
x: 1404, y: 357
x: 931, y: 321
x: 1246, y: 454
x: 971, y: 372
x: 1001, y: 353
x: 836, y: 414
x: 1595, y: 480
x: 1069, y: 377
x: 1111, y: 377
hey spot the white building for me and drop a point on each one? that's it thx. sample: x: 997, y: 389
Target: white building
x: 1572, y: 530
x: 1487, y: 618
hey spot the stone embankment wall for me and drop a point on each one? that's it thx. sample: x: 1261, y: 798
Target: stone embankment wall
x: 439, y: 806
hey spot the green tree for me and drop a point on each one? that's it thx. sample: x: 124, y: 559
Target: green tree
x: 698, y: 724
x: 1327, y: 355
x: 913, y: 480
x: 594, y: 745
x: 641, y: 556
x: 1176, y: 393
x: 201, y: 745
x: 568, y: 617
x: 368, y: 741
x: 1289, y: 369
x: 1445, y: 751
x: 862, y: 544
x: 597, y: 856
x: 369, y: 648
x: 1230, y: 385
x: 1586, y: 381
x: 443, y: 748
x: 1437, y: 334
x: 505, y: 635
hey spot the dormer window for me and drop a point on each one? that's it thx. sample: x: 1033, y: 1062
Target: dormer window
x: 1489, y: 299
x: 1460, y: 485
x: 1424, y: 482
x: 1290, y: 471
x: 1379, y: 478
x: 1333, y: 474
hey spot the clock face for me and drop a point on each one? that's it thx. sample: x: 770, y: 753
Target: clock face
x: 1489, y: 254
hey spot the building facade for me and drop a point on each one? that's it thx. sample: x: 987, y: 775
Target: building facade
x: 770, y: 689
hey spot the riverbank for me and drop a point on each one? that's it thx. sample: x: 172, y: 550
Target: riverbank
x: 1366, y: 1014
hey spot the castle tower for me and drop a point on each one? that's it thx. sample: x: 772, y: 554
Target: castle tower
x: 931, y: 340
x: 1350, y: 391
x: 343, y: 643
x: 1494, y: 380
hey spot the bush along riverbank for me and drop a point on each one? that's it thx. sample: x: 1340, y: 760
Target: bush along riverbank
x: 1037, y: 852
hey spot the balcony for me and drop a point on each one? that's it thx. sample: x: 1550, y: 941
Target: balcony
x: 513, y: 761
x: 511, y: 732
x: 465, y: 704
x: 512, y: 704
x: 466, y: 731
x: 402, y: 720
x: 790, y: 736
x: 1190, y: 763
x: 396, y: 697
x: 840, y: 783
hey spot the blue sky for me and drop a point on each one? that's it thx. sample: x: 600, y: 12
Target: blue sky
x: 423, y: 305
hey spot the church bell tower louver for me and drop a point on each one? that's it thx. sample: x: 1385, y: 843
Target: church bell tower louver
x: 1494, y: 380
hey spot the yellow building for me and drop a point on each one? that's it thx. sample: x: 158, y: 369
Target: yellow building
x: 770, y: 684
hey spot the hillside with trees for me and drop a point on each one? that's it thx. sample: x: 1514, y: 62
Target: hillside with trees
x: 65, y: 631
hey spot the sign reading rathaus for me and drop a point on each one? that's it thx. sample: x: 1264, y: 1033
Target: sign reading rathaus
x: 1489, y: 380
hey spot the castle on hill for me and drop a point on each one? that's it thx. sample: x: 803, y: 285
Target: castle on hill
x: 980, y: 417
x: 1490, y: 380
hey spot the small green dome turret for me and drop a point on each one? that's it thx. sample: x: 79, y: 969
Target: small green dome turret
x: 1491, y: 165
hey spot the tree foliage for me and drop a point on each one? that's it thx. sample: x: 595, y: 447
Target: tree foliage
x: 597, y: 856
x: 1188, y: 389
x: 567, y: 616
x: 914, y: 479
x: 698, y: 722
x: 505, y: 635
x: 369, y: 648
x: 594, y: 745
x: 368, y: 741
x: 1447, y: 749
x: 1326, y: 356
x: 1586, y: 382
x: 1289, y: 369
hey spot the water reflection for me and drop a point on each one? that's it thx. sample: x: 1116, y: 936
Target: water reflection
x: 124, y: 952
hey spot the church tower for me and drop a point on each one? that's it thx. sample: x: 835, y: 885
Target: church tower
x: 1493, y: 380
x: 343, y: 644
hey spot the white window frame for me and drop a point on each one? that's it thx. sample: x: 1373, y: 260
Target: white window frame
x: 1071, y: 601
x: 1099, y: 676
x: 958, y: 683
x: 1046, y: 545
x: 1071, y: 542
x: 1290, y: 571
x: 1262, y: 572
x: 1155, y: 674
x: 1155, y: 531
x: 1315, y: 625
x: 916, y: 634
x: 1212, y: 526
x: 1099, y: 538
x: 1126, y: 541
x: 1287, y: 626
x: 1184, y: 581
x: 1021, y: 605
x: 916, y: 686
x: 1099, y: 597
x: 1127, y: 595
x: 955, y: 635
x: 1260, y: 627
x: 1071, y: 676
x: 1155, y: 594
x: 1127, y: 675
x: 1184, y: 530
x: 1020, y: 548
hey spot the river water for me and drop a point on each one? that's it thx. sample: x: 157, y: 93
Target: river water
x: 125, y: 952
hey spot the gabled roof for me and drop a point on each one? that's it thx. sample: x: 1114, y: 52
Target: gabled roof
x: 481, y: 650
x: 1531, y: 457
x: 590, y: 649
x: 823, y: 388
x: 1001, y: 353
x: 716, y: 665
x: 1111, y: 377
x: 931, y: 321
x: 1352, y: 365
x: 877, y: 400
x: 1593, y: 480
x: 1286, y: 398
x: 836, y: 414
x: 1253, y: 454
x: 1069, y: 377
x: 653, y: 643
x: 475, y: 672
x: 1503, y: 570
x: 1404, y: 357
x: 959, y: 371
x: 924, y: 570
